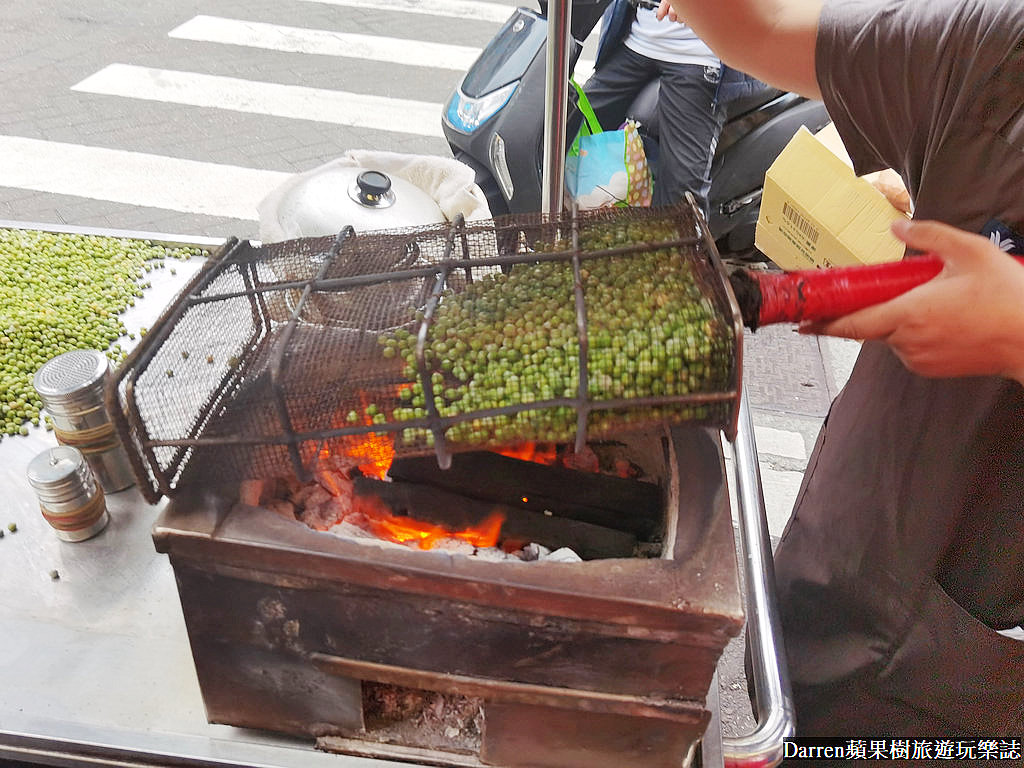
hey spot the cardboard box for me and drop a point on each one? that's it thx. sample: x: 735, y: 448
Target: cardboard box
x: 815, y: 212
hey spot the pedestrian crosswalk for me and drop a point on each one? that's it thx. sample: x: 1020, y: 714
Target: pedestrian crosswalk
x: 326, y: 42
x: 119, y: 176
x: 104, y: 173
x: 272, y: 99
x: 456, y: 9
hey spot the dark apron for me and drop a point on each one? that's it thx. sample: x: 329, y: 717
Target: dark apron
x: 904, y: 554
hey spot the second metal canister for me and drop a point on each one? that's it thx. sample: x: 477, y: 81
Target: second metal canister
x: 69, y: 497
x: 71, y: 387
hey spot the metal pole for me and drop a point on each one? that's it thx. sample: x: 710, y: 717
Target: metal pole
x: 556, y: 105
x: 775, y: 713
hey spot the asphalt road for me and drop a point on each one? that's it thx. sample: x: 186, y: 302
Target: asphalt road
x: 177, y: 116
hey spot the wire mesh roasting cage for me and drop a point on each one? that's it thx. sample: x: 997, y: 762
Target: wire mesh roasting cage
x: 463, y: 336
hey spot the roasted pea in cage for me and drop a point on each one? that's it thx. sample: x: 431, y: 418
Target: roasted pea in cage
x: 466, y: 336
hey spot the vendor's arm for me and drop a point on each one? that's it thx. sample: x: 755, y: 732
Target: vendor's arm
x: 773, y: 40
x: 969, y: 320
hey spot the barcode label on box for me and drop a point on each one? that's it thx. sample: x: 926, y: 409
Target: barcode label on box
x: 806, y: 228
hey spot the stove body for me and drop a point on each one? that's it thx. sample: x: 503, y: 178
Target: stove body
x: 602, y: 663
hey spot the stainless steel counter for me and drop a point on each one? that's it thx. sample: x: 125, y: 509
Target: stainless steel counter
x: 95, y: 666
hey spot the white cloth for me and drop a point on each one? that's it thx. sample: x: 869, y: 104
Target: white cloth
x: 448, y: 181
x: 668, y: 41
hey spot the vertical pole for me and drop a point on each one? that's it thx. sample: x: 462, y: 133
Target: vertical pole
x: 776, y: 715
x: 555, y: 105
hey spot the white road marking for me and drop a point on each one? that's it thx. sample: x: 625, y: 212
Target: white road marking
x: 356, y: 110
x: 393, y: 50
x: 135, y: 178
x: 456, y: 9
x: 323, y: 42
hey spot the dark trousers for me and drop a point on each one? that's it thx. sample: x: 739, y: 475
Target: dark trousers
x: 688, y: 121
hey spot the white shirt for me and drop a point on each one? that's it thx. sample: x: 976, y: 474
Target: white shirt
x: 667, y: 40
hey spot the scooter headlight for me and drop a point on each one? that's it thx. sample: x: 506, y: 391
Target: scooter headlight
x: 466, y: 114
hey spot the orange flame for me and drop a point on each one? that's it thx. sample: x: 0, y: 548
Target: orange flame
x: 383, y: 523
x: 405, y: 530
x: 375, y: 451
x: 539, y: 453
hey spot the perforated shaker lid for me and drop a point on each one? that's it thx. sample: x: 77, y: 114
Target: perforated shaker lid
x: 60, y: 473
x: 71, y: 373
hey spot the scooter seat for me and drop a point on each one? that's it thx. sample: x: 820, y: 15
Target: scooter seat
x: 757, y: 97
x: 644, y: 107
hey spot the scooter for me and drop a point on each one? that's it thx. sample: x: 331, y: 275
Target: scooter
x: 494, y: 123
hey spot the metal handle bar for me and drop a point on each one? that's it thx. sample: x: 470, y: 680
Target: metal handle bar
x: 775, y: 713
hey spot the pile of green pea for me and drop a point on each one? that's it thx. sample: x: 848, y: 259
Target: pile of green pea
x: 512, y: 338
x: 60, y: 292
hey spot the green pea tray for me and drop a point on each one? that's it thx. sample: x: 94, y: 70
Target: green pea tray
x: 462, y: 336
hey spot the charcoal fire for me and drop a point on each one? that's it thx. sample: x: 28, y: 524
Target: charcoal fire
x: 332, y: 503
x: 488, y: 505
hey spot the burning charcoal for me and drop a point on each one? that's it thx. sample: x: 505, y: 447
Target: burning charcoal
x: 300, y: 495
x: 513, y: 545
x: 334, y: 483
x: 338, y: 464
x: 585, y: 460
x: 626, y: 469
x: 249, y: 492
x: 281, y: 487
x: 326, y: 512
x: 316, y: 496
x: 613, y: 502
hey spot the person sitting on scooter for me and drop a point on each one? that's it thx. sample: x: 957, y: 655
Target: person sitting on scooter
x: 636, y: 48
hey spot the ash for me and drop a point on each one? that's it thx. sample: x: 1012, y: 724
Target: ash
x: 423, y: 719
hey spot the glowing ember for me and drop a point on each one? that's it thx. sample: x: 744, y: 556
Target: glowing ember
x: 381, y: 522
x: 539, y: 453
x: 374, y: 451
x: 426, y: 536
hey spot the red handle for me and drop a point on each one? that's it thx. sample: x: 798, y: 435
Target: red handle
x: 824, y: 294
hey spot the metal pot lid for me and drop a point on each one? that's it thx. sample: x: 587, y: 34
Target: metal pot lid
x: 326, y: 202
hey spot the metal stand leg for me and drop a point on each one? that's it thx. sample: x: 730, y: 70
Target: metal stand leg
x: 775, y: 714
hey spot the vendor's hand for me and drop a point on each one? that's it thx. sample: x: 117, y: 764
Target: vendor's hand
x: 968, y: 320
x: 666, y: 9
x: 889, y: 183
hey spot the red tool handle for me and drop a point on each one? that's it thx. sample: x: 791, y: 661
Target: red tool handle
x: 824, y: 294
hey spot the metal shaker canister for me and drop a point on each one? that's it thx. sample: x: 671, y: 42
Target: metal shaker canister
x: 69, y: 497
x: 71, y: 387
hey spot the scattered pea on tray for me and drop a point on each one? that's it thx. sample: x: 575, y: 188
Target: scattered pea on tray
x: 60, y: 292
